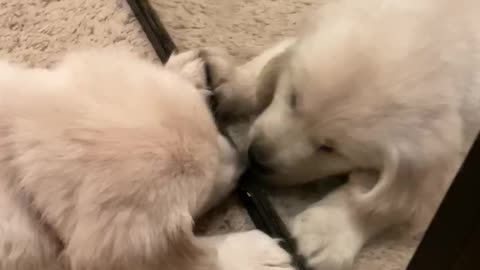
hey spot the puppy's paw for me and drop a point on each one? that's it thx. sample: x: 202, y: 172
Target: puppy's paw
x: 191, y: 66
x: 233, y: 87
x: 220, y: 65
x: 328, y: 237
x: 252, y: 250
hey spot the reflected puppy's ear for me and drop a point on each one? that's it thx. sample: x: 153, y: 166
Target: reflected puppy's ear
x: 268, y: 78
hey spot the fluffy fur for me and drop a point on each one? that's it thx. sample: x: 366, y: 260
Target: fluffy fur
x: 106, y: 160
x: 387, y: 91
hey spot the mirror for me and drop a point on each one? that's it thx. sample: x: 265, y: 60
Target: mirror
x: 246, y: 28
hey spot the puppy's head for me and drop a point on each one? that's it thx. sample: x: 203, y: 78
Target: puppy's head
x: 295, y: 139
x: 341, y: 100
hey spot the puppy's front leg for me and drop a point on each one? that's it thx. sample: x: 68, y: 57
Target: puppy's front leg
x: 250, y: 250
x: 331, y: 232
x: 190, y: 66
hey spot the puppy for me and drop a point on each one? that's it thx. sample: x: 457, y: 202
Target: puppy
x: 105, y: 162
x: 386, y: 91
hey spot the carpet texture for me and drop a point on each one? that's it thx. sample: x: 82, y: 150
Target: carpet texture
x: 38, y: 32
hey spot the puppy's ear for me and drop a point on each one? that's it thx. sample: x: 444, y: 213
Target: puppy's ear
x: 268, y: 78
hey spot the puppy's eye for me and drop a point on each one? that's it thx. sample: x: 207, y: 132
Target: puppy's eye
x: 293, y: 100
x: 325, y: 148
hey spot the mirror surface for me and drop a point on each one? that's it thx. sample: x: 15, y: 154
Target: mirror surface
x: 246, y: 28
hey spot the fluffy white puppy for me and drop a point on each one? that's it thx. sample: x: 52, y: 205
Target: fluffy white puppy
x: 387, y: 91
x: 105, y: 161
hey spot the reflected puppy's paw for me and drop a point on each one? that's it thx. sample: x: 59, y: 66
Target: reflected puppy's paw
x: 328, y: 237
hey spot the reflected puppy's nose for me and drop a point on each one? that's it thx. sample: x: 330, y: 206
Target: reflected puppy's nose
x: 257, y: 156
x: 258, y: 151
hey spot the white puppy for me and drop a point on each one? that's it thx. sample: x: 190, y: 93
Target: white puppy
x: 387, y: 91
x: 106, y: 160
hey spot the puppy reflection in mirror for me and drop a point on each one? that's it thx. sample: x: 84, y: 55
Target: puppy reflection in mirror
x: 385, y: 91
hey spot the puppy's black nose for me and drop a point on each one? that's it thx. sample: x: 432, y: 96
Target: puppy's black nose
x: 257, y: 156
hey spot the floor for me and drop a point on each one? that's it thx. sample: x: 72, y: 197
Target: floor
x: 38, y: 32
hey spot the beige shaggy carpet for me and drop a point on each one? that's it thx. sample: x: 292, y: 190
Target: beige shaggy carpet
x: 37, y: 32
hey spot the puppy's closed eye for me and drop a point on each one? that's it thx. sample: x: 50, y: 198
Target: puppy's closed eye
x: 326, y: 146
x: 293, y: 100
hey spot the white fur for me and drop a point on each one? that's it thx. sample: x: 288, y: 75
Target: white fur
x: 393, y: 86
x: 114, y: 157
